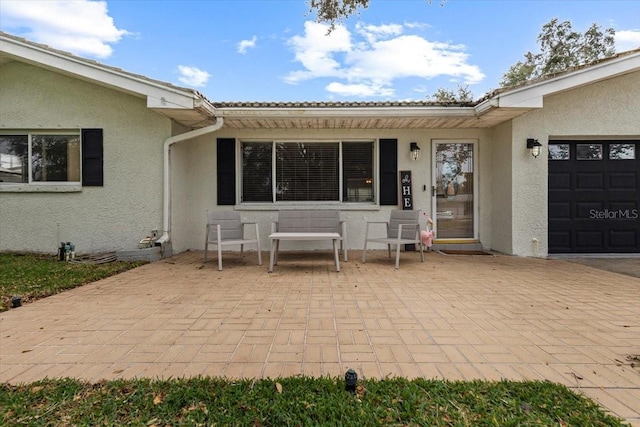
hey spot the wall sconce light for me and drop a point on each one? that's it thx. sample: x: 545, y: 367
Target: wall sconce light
x: 534, y: 146
x: 415, y: 151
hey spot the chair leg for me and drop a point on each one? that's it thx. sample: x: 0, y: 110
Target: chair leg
x: 389, y: 250
x: 364, y: 252
x: 421, y: 252
x: 219, y: 236
x: 206, y: 244
x: 397, y: 256
x: 258, y: 244
x: 272, y: 254
x: 259, y: 254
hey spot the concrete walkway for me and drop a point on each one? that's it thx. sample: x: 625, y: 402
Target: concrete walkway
x: 453, y: 317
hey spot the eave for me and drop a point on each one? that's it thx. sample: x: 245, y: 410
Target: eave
x: 307, y: 117
x: 183, y: 105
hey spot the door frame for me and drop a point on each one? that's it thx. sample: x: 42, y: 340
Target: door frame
x: 434, y: 200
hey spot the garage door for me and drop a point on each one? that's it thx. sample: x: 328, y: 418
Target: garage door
x: 594, y: 196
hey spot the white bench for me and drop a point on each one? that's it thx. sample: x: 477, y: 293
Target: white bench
x: 308, y: 225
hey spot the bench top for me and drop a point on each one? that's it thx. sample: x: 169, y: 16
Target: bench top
x: 308, y: 221
x: 303, y: 236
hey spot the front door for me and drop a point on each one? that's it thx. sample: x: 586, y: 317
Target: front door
x: 454, y: 189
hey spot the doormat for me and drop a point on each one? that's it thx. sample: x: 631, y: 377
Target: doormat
x: 463, y: 252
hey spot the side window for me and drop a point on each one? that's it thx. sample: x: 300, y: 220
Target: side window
x: 14, y: 159
x: 39, y: 157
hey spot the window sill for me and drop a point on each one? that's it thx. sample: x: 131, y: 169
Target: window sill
x: 307, y: 206
x: 31, y: 188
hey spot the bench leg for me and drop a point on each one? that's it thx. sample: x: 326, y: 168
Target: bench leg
x: 335, y: 253
x: 274, y: 243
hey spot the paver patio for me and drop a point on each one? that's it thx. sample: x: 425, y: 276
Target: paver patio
x: 453, y: 317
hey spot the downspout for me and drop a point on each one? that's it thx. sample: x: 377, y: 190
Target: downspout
x: 166, y: 235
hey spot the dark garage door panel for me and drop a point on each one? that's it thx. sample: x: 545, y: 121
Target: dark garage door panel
x: 594, y: 205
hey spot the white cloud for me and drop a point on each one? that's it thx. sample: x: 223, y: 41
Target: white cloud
x: 627, y: 40
x: 246, y: 44
x: 367, y: 63
x: 81, y: 27
x: 364, y: 90
x: 193, y: 76
x: 316, y: 51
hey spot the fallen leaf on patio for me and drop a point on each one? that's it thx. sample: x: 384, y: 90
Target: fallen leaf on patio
x: 118, y: 371
x: 279, y: 387
x: 26, y: 351
x: 576, y: 376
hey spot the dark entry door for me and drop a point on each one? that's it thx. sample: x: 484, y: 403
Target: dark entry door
x: 594, y: 196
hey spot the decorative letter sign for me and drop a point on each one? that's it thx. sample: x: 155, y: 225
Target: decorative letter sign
x: 407, y: 198
x: 405, y: 185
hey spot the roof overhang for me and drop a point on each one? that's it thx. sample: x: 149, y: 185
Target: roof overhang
x: 183, y: 105
x: 532, y: 95
x: 194, y: 111
x: 368, y: 117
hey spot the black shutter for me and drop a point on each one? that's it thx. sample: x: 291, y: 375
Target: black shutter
x: 388, y: 171
x: 226, y: 166
x: 92, y: 158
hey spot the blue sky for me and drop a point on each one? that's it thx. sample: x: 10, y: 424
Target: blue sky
x: 273, y: 50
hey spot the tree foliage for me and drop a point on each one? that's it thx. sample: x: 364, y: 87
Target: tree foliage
x: 335, y: 11
x: 449, y: 96
x: 561, y: 48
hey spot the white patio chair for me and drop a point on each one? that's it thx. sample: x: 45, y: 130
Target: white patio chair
x: 402, y: 228
x: 225, y: 228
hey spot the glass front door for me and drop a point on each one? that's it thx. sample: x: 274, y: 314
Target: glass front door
x: 454, y: 190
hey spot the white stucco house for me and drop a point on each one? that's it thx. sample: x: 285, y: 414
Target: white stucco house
x: 100, y: 157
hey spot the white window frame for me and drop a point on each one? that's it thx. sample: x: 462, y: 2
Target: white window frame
x: 51, y: 185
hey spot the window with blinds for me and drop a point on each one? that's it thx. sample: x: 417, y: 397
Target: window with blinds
x: 307, y: 171
x: 357, y: 172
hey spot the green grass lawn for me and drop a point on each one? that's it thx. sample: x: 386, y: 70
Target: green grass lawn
x: 298, y: 401
x: 295, y: 401
x: 35, y: 276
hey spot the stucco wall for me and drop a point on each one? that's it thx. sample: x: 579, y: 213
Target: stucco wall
x: 115, y: 216
x: 603, y: 110
x: 501, y: 152
x: 195, y: 184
